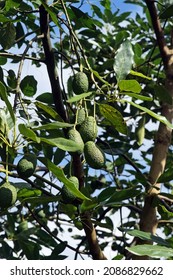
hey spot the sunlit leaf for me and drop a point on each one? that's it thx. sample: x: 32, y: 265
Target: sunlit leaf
x: 53, y: 125
x: 153, y: 251
x: 147, y: 236
x: 28, y: 133
x: 62, y: 143
x: 79, y: 97
x: 137, y: 96
x: 25, y: 193
x: 124, y: 60
x: 130, y: 85
x: 99, y: 77
x: 160, y: 118
x: 138, y: 74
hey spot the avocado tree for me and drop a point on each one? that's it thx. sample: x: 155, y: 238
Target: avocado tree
x: 86, y: 165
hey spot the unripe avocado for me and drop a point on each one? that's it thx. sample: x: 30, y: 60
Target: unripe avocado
x: 67, y: 196
x: 81, y: 115
x: 8, y: 195
x: 80, y: 83
x: 74, y: 135
x: 88, y: 129
x: 26, y: 166
x: 94, y: 156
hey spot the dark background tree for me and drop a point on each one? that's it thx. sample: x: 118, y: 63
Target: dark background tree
x: 124, y: 206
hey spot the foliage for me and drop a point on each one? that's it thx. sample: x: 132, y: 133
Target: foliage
x: 120, y: 56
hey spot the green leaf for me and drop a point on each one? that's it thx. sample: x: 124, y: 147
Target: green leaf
x: 45, y: 97
x: 130, y: 85
x: 121, y: 195
x: 28, y: 86
x: 51, y: 12
x: 137, y: 96
x: 53, y: 125
x: 114, y: 117
x: 99, y: 77
x: 147, y: 236
x: 162, y: 93
x: 35, y: 201
x: 83, y: 18
x: 8, y: 35
x: 124, y: 60
x: 153, y: 251
x: 28, y: 133
x: 167, y: 13
x: 58, y: 249
x: 11, y: 79
x: 138, y: 74
x: 11, y: 4
x: 167, y: 176
x: 62, y: 143
x: 106, y: 193
x: 79, y: 97
x: 3, y: 19
x: 160, y: 118
x: 106, y: 4
x: 59, y: 173
x: 50, y: 111
x: 25, y: 193
x: 3, y: 95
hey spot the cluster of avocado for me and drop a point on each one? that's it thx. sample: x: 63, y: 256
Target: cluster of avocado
x: 87, y: 131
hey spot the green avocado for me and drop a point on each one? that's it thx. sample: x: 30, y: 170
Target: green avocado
x: 80, y: 83
x: 88, y: 129
x: 67, y: 196
x: 8, y: 195
x: 94, y: 156
x: 81, y: 115
x: 74, y: 135
x: 26, y: 166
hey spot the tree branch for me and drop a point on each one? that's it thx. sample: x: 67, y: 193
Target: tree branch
x: 91, y: 236
x: 51, y: 64
x: 148, y: 217
x: 164, y: 50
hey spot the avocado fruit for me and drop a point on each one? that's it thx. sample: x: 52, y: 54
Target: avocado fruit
x: 67, y: 196
x: 74, y: 135
x: 94, y: 156
x: 8, y: 195
x: 81, y: 115
x: 88, y: 129
x: 26, y: 166
x: 80, y: 83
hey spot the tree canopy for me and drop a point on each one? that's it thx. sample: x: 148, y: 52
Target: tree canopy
x: 86, y: 166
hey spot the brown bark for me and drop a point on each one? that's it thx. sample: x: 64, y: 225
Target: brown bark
x: 91, y: 236
x: 148, y: 219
